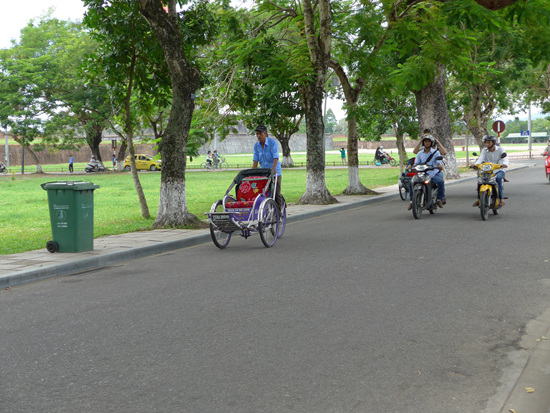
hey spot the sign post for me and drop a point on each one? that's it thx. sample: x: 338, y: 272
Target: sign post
x: 498, y: 127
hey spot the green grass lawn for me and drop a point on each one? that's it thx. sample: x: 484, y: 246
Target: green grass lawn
x: 24, y: 216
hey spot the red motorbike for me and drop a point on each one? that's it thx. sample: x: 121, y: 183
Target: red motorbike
x: 547, y: 165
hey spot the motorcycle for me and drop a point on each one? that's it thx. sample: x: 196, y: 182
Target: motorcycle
x: 98, y: 168
x: 547, y: 165
x: 388, y: 160
x: 3, y: 169
x: 488, y: 187
x: 424, y: 190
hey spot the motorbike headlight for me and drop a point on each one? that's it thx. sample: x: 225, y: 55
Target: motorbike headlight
x: 487, y: 168
x: 421, y: 168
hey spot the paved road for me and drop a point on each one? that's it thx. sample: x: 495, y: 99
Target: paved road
x: 367, y: 310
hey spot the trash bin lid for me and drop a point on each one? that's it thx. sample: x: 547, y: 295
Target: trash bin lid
x: 71, y: 185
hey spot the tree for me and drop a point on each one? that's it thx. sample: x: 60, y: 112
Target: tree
x: 45, y: 94
x: 330, y: 122
x: 317, y: 32
x: 123, y: 64
x: 255, y: 78
x: 429, y: 53
x: 199, y: 26
x: 387, y: 108
x: 358, y: 42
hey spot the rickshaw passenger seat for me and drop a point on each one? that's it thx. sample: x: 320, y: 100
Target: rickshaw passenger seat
x: 249, y: 189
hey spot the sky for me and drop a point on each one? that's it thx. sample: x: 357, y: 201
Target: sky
x: 16, y: 15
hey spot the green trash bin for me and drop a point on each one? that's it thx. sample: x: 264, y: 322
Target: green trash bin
x: 71, y: 206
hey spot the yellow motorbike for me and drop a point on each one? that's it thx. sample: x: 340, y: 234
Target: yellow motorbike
x: 488, y: 188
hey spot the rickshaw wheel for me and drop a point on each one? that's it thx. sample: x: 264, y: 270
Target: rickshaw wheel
x: 282, y: 220
x: 220, y: 238
x: 268, y: 222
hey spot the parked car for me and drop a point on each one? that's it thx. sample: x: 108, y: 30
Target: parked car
x: 144, y: 162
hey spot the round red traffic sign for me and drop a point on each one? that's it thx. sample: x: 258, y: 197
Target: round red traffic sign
x: 499, y: 126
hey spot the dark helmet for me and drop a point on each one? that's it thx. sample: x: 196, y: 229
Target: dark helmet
x: 428, y: 138
x: 489, y: 138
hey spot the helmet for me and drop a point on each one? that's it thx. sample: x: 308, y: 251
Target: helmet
x: 429, y: 138
x: 381, y: 147
x: 489, y: 138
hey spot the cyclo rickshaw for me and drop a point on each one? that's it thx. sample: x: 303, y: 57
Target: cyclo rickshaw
x: 252, y: 209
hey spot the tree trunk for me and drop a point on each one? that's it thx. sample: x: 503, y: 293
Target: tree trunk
x: 480, y: 111
x: 312, y: 91
x: 31, y: 152
x: 284, y: 139
x: 94, y: 134
x: 130, y: 140
x: 431, y: 103
x: 316, y: 188
x: 121, y: 155
x: 401, y: 149
x: 355, y: 187
x: 173, y: 210
x: 478, y: 132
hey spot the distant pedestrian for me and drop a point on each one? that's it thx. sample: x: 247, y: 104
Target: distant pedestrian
x: 216, y: 158
x: 343, y: 153
x: 114, y: 162
x: 71, y: 161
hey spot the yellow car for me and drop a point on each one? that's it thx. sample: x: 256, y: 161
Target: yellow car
x: 144, y: 162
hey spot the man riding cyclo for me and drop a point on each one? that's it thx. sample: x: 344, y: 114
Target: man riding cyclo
x: 429, y: 156
x: 492, y: 153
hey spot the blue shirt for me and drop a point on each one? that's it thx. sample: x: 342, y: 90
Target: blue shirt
x: 421, y: 157
x: 71, y: 159
x: 266, y: 155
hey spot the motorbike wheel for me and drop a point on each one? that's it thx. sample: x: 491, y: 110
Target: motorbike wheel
x: 417, y: 204
x: 393, y: 162
x: 494, y: 200
x: 484, y: 205
x: 402, y: 190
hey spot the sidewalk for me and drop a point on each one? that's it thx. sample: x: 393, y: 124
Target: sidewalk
x: 30, y: 266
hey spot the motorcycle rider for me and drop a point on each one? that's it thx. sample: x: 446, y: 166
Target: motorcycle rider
x: 93, y: 163
x: 546, y: 151
x: 380, y: 154
x: 429, y: 152
x: 491, y: 153
x: 440, y: 147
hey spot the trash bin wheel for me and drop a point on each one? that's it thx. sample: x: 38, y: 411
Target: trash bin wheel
x: 52, y: 246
